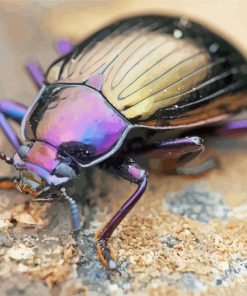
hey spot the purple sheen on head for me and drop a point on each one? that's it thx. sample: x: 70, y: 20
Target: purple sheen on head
x: 64, y: 46
x: 20, y: 164
x: 80, y: 114
x: 95, y: 81
x: 38, y: 170
x: 43, y: 155
x: 36, y: 72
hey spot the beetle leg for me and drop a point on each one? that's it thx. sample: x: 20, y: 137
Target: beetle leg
x: 233, y: 128
x: 129, y: 170
x: 64, y: 46
x: 172, y: 148
x: 7, y: 183
x: 74, y: 214
x: 186, y: 149
x: 36, y: 72
x: 179, y: 152
x: 205, y: 166
x: 15, y: 111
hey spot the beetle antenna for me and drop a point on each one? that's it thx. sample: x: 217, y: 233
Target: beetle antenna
x: 74, y: 214
x: 7, y: 159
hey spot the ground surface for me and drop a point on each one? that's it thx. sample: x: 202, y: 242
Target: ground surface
x: 187, y: 236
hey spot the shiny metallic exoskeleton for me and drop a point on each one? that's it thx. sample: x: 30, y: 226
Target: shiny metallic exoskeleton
x: 138, y: 86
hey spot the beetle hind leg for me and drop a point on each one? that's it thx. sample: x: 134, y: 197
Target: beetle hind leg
x: 233, y: 128
x: 129, y: 170
x: 177, y: 153
x: 230, y: 129
x: 187, y: 150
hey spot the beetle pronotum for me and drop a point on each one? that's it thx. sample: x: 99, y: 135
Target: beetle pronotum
x: 116, y: 95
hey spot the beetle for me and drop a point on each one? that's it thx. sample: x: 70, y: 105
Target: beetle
x: 134, y: 87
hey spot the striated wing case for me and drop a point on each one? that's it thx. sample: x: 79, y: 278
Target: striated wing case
x: 159, y: 71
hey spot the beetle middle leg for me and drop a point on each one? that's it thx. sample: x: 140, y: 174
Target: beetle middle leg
x: 128, y: 169
x: 182, y: 150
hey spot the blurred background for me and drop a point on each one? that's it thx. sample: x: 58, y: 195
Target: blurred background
x: 189, y: 238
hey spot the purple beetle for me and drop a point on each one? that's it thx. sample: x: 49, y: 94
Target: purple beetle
x: 135, y: 87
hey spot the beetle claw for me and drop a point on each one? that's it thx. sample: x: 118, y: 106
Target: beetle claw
x: 112, y: 265
x: 105, y: 255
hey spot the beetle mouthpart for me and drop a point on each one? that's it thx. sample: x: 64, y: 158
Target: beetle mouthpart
x: 25, y: 188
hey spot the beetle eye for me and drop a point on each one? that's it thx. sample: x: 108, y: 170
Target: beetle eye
x: 23, y: 150
x: 64, y: 170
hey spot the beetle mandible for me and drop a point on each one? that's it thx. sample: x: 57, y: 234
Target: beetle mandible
x: 118, y: 94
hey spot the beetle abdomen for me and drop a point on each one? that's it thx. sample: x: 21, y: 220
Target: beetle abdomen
x: 160, y: 71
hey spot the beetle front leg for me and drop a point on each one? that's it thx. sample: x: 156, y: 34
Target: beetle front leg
x: 15, y: 111
x: 129, y: 170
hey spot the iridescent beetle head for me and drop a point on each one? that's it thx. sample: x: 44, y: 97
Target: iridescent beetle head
x: 36, y: 180
x: 41, y: 184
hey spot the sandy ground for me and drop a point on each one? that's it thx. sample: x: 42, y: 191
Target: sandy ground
x: 187, y: 236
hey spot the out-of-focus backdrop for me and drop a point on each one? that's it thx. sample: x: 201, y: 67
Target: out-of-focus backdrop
x: 187, y: 236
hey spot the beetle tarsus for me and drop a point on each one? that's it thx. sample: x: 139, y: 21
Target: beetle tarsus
x: 105, y: 254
